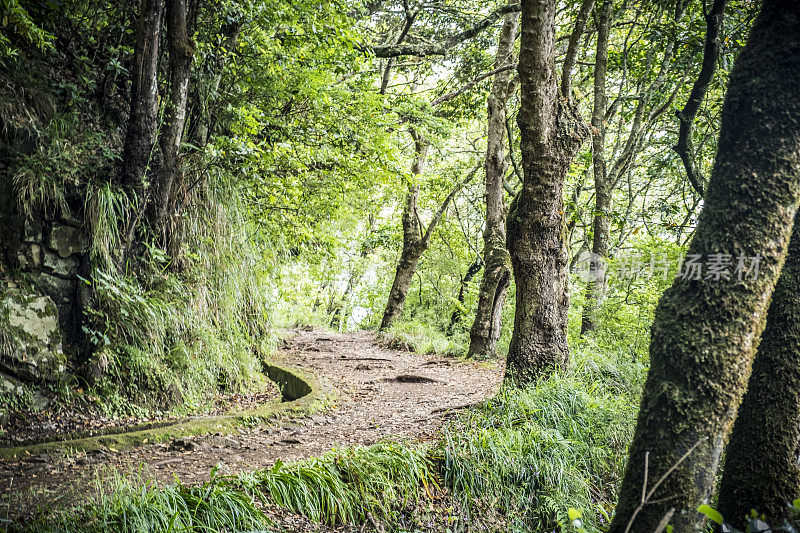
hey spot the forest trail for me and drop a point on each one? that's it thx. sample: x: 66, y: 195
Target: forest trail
x: 384, y: 393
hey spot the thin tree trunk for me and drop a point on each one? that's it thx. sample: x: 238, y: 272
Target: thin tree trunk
x: 485, y: 329
x: 407, y: 265
x: 140, y: 136
x: 457, y: 315
x: 686, y: 116
x: 181, y: 51
x: 416, y: 239
x: 761, y: 461
x: 572, y: 47
x: 602, y: 187
x: 705, y: 331
x: 552, y: 132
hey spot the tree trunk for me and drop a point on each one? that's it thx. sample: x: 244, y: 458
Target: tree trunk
x: 705, y: 331
x: 143, y: 120
x: 457, y: 315
x: 413, y: 247
x: 552, y: 133
x: 416, y: 239
x: 181, y: 51
x: 485, y: 329
x: 602, y: 187
x: 761, y: 461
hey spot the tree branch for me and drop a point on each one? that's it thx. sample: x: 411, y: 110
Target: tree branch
x: 687, y: 115
x: 469, y: 85
x: 572, y: 47
x: 442, y: 208
x: 395, y: 50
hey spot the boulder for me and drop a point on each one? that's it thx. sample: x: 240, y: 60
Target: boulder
x: 66, y: 240
x: 30, y: 338
x: 63, y: 266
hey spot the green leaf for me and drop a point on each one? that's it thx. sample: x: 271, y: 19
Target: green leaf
x: 796, y: 503
x: 574, y: 514
x: 711, y: 513
x: 669, y: 528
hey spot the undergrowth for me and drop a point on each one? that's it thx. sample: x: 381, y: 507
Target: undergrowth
x: 132, y: 507
x: 531, y: 455
x: 419, y: 337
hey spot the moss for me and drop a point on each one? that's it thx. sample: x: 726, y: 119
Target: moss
x: 294, y: 380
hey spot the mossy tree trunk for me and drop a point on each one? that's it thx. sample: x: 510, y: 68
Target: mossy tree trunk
x: 602, y: 185
x: 761, y: 461
x: 485, y: 329
x: 552, y: 132
x: 181, y: 52
x: 416, y: 238
x: 142, y: 127
x: 705, y: 331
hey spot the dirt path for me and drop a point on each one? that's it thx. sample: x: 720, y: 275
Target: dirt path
x: 384, y: 394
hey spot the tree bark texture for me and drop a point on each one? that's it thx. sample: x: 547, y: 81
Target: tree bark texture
x: 705, y: 331
x: 485, y: 330
x: 602, y: 186
x: 551, y: 134
x: 181, y: 52
x: 413, y: 248
x: 762, y: 471
x: 143, y: 120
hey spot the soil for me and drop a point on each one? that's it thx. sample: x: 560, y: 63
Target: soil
x: 384, y: 393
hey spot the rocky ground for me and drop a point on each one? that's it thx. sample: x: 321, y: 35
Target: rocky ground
x: 383, y: 394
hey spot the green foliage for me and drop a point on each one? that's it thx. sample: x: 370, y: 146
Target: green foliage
x: 345, y: 486
x: 66, y: 156
x: 135, y: 507
x: 16, y: 22
x: 534, y: 454
x: 422, y: 337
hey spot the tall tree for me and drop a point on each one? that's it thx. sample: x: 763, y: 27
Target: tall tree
x: 602, y: 186
x: 181, y: 51
x: 551, y: 134
x: 706, y: 327
x: 761, y: 468
x: 485, y: 330
x: 140, y: 136
x: 416, y: 237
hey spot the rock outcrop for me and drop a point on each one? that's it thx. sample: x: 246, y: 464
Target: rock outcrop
x: 30, y: 337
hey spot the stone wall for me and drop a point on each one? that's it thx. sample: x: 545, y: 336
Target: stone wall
x: 48, y: 253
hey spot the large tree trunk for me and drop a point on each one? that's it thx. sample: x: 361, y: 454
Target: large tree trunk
x: 705, y: 330
x: 143, y: 121
x: 552, y: 133
x: 485, y: 329
x: 181, y: 51
x: 602, y: 186
x: 761, y: 462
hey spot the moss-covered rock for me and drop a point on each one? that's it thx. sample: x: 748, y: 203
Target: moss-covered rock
x: 30, y: 339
